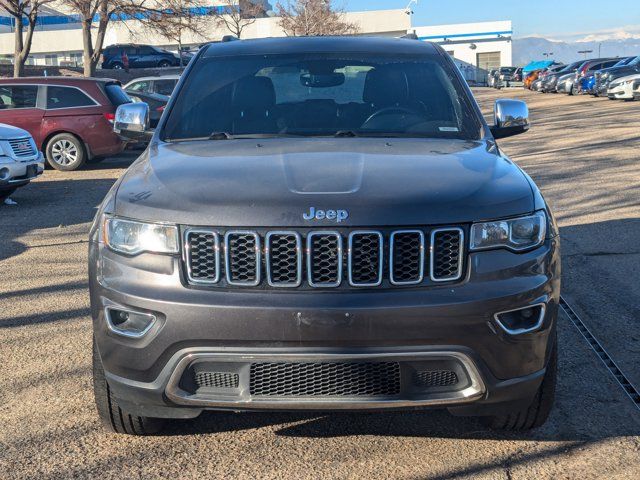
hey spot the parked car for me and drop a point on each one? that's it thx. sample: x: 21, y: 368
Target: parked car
x: 627, y: 66
x: 550, y: 83
x: 504, y: 77
x: 636, y: 90
x: 517, y: 75
x: 565, y: 82
x: 155, y: 91
x: 20, y: 160
x: 163, y: 85
x: 588, y: 84
x: 530, y: 78
x: 589, y: 67
x: 70, y: 118
x: 140, y: 56
x: 492, y: 77
x: 623, y: 88
x: 340, y: 234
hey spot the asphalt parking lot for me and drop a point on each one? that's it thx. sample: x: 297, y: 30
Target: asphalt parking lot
x: 582, y: 152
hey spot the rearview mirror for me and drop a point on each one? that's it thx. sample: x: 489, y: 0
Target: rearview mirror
x: 132, y: 121
x: 511, y: 117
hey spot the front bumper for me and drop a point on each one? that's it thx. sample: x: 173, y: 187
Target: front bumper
x: 18, y: 173
x: 450, y: 327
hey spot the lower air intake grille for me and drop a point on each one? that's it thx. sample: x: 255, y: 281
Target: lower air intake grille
x: 217, y: 380
x: 436, y: 378
x: 325, y: 379
x: 446, y: 258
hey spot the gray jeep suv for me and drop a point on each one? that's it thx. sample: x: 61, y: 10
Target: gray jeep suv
x: 323, y: 224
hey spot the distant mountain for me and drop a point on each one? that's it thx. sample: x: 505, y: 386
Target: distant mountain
x: 531, y: 48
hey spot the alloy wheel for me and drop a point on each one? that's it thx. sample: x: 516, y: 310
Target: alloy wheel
x: 64, y: 152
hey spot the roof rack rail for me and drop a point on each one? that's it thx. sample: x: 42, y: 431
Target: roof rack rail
x: 230, y: 38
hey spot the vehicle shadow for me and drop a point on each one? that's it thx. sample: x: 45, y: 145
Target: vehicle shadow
x: 63, y: 205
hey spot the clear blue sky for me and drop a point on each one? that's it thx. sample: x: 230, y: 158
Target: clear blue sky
x: 542, y: 17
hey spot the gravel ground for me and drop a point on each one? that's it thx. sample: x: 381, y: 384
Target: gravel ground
x: 583, y: 154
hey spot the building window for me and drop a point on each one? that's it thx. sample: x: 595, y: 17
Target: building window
x: 51, y: 60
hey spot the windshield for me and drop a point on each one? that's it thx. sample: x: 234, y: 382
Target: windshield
x: 321, y: 95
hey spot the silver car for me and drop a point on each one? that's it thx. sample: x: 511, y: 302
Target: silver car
x: 20, y: 160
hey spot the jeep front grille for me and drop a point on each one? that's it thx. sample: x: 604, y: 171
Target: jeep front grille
x: 323, y: 259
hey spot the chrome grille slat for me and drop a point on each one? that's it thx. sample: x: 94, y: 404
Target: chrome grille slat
x: 283, y: 258
x: 406, y: 258
x: 202, y: 255
x: 22, y: 147
x: 365, y: 258
x: 446, y: 259
x: 324, y: 259
x: 316, y: 259
x: 242, y: 256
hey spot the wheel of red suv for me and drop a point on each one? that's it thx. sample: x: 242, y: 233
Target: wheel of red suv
x: 65, y: 152
x: 164, y: 64
x: 112, y: 416
x: 537, y: 412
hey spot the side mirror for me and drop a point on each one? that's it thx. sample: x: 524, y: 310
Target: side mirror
x: 511, y: 117
x: 132, y: 121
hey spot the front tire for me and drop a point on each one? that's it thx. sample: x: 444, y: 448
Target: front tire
x: 164, y: 64
x: 112, y: 416
x: 537, y: 412
x: 65, y: 152
x: 4, y: 194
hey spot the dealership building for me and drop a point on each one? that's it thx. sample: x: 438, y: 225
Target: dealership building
x: 476, y: 47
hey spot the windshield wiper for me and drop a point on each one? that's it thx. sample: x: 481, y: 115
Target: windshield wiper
x: 220, y: 136
x: 345, y: 133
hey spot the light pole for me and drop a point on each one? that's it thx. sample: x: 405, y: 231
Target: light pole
x: 584, y: 52
x: 408, y: 10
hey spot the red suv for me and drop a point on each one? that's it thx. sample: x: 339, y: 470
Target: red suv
x: 69, y: 118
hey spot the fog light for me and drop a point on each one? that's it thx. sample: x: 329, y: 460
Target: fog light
x: 4, y: 173
x: 522, y: 320
x: 129, y: 323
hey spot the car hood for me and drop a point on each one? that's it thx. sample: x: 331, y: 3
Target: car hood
x: 273, y: 182
x: 628, y: 77
x: 9, y: 132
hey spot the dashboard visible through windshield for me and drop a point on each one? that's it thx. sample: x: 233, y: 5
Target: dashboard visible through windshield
x: 321, y: 95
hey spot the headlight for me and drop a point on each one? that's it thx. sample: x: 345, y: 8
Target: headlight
x: 131, y: 237
x: 629, y: 82
x: 516, y: 234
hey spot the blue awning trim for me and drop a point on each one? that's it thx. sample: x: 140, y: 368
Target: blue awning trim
x: 51, y: 20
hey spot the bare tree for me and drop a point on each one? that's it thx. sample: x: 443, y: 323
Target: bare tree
x: 236, y: 16
x: 172, y: 19
x: 313, y: 17
x: 19, y: 10
x: 96, y: 14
